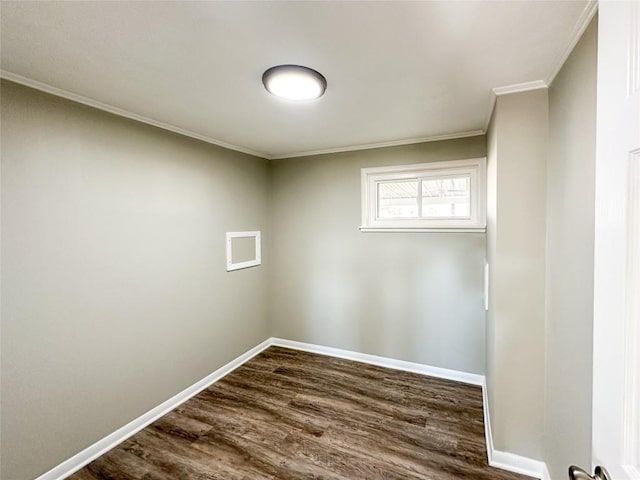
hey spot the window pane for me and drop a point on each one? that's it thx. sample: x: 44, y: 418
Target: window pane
x: 398, y: 199
x: 446, y: 197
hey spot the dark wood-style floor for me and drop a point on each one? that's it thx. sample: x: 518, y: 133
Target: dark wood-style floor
x: 287, y: 414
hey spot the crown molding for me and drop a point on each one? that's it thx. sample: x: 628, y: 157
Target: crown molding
x: 520, y: 87
x: 59, y: 92
x: 581, y: 25
x: 369, y: 146
x: 506, y: 90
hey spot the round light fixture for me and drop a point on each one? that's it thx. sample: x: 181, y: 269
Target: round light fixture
x: 294, y: 82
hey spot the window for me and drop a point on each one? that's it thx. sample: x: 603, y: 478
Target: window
x: 438, y: 196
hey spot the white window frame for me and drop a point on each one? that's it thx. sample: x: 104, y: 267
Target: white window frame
x: 257, y: 260
x: 475, y: 168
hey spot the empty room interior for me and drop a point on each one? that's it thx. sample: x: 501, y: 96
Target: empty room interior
x: 249, y: 240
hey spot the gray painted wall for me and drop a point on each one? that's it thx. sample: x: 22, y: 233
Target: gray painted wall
x: 516, y: 250
x: 411, y: 296
x: 570, y: 236
x: 113, y: 269
x: 114, y: 290
x: 492, y: 209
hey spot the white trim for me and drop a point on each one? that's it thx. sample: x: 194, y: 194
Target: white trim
x: 92, y: 452
x: 631, y: 398
x: 422, y: 230
x: 581, y: 25
x: 632, y: 471
x: 505, y: 460
x: 616, y: 230
x: 497, y: 459
x: 369, y: 146
x: 457, y: 376
x: 488, y: 437
x: 59, y: 92
x: 633, y: 54
x: 519, y: 464
x: 474, y: 169
x: 486, y: 286
x: 520, y: 87
x: 413, y: 167
x: 257, y: 260
x: 508, y: 89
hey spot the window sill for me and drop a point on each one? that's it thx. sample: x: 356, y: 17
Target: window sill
x: 423, y: 230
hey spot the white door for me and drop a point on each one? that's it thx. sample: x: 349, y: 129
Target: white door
x: 616, y: 362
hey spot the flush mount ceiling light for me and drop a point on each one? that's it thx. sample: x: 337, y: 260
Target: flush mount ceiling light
x: 294, y: 82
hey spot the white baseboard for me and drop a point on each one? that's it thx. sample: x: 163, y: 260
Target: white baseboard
x: 518, y: 464
x: 498, y: 459
x: 505, y: 460
x: 386, y: 362
x: 102, y: 446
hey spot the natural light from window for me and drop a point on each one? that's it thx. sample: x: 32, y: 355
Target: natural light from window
x: 446, y: 198
x: 425, y: 197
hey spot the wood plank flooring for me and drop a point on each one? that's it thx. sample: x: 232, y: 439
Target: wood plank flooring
x: 287, y: 414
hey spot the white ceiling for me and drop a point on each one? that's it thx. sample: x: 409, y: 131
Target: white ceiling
x: 397, y: 72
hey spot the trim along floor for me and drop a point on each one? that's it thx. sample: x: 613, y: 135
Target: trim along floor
x: 290, y: 414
